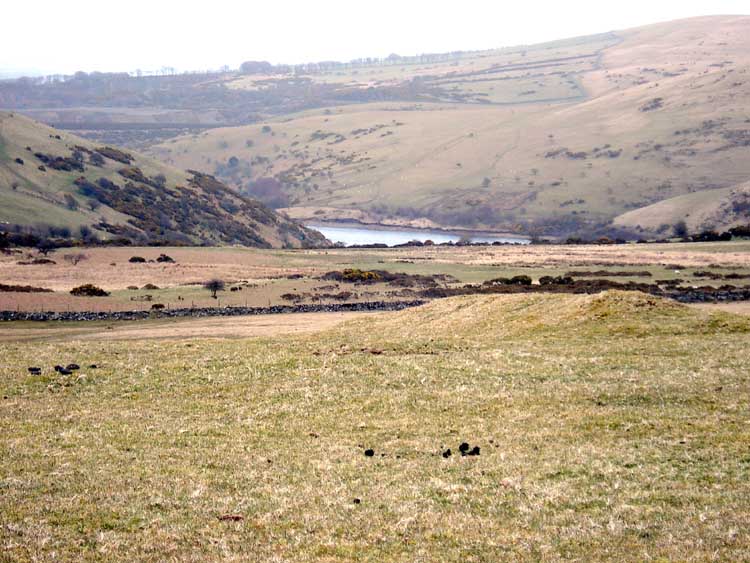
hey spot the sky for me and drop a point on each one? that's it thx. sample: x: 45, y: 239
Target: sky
x: 52, y: 36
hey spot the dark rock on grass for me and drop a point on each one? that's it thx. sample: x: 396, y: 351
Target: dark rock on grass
x: 231, y: 518
x: 357, y: 501
x: 72, y: 367
x: 35, y: 371
x: 58, y: 369
x: 447, y: 453
x: 369, y: 453
x: 93, y: 366
x: 467, y: 450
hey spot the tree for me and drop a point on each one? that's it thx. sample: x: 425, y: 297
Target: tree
x: 256, y: 67
x: 74, y: 259
x: 680, y: 229
x: 214, y: 286
x: 85, y: 232
x: 46, y: 246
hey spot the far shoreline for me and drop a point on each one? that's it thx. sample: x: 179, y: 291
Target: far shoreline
x: 459, y: 232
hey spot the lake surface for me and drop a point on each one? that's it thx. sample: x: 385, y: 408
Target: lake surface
x: 358, y: 235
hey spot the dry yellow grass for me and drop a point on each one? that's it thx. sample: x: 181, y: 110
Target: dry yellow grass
x: 597, y: 443
x: 232, y: 264
x: 266, y: 326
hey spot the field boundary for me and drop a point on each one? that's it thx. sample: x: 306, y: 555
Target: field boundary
x: 9, y: 316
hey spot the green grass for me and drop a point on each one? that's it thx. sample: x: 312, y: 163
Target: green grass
x: 593, y: 448
x: 3, y: 152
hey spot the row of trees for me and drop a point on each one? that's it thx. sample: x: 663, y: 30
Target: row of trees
x: 264, y: 67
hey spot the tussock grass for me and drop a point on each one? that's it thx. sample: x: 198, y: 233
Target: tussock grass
x: 599, y: 443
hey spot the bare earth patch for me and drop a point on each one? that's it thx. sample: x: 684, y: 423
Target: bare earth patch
x: 177, y: 329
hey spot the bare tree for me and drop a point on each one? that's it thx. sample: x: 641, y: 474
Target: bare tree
x: 214, y: 286
x: 74, y: 259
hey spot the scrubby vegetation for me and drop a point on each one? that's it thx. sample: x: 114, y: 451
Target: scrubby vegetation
x: 89, y: 188
x: 88, y: 290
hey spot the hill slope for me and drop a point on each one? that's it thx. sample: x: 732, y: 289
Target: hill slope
x: 718, y: 209
x: 50, y: 178
x: 550, y: 139
x: 498, y: 318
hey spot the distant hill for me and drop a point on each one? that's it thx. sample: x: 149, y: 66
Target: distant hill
x: 559, y: 138
x: 550, y: 139
x: 49, y: 178
x: 718, y: 209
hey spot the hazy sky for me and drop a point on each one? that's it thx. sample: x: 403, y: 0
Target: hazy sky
x: 65, y: 36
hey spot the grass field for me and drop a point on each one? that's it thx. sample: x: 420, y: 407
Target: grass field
x: 265, y: 276
x: 611, y: 428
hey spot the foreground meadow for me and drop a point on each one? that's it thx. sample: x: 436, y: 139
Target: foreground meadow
x: 610, y: 428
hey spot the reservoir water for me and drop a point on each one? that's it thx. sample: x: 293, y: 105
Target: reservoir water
x: 356, y: 235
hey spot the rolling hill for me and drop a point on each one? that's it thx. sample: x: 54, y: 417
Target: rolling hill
x: 49, y: 178
x: 564, y: 137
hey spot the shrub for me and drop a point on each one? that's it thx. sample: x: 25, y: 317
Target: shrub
x: 88, y: 290
x: 740, y: 231
x: 680, y: 229
x: 555, y: 280
x: 515, y: 280
x: 150, y: 287
x: 115, y: 154
x: 45, y: 246
x: 355, y: 275
x: 137, y: 260
x: 165, y: 259
x: 520, y: 280
x: 95, y: 159
x: 160, y: 180
x: 70, y: 202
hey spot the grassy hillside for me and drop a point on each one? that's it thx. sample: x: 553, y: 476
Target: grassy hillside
x: 705, y: 209
x: 50, y: 178
x: 543, y: 139
x: 618, y: 435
